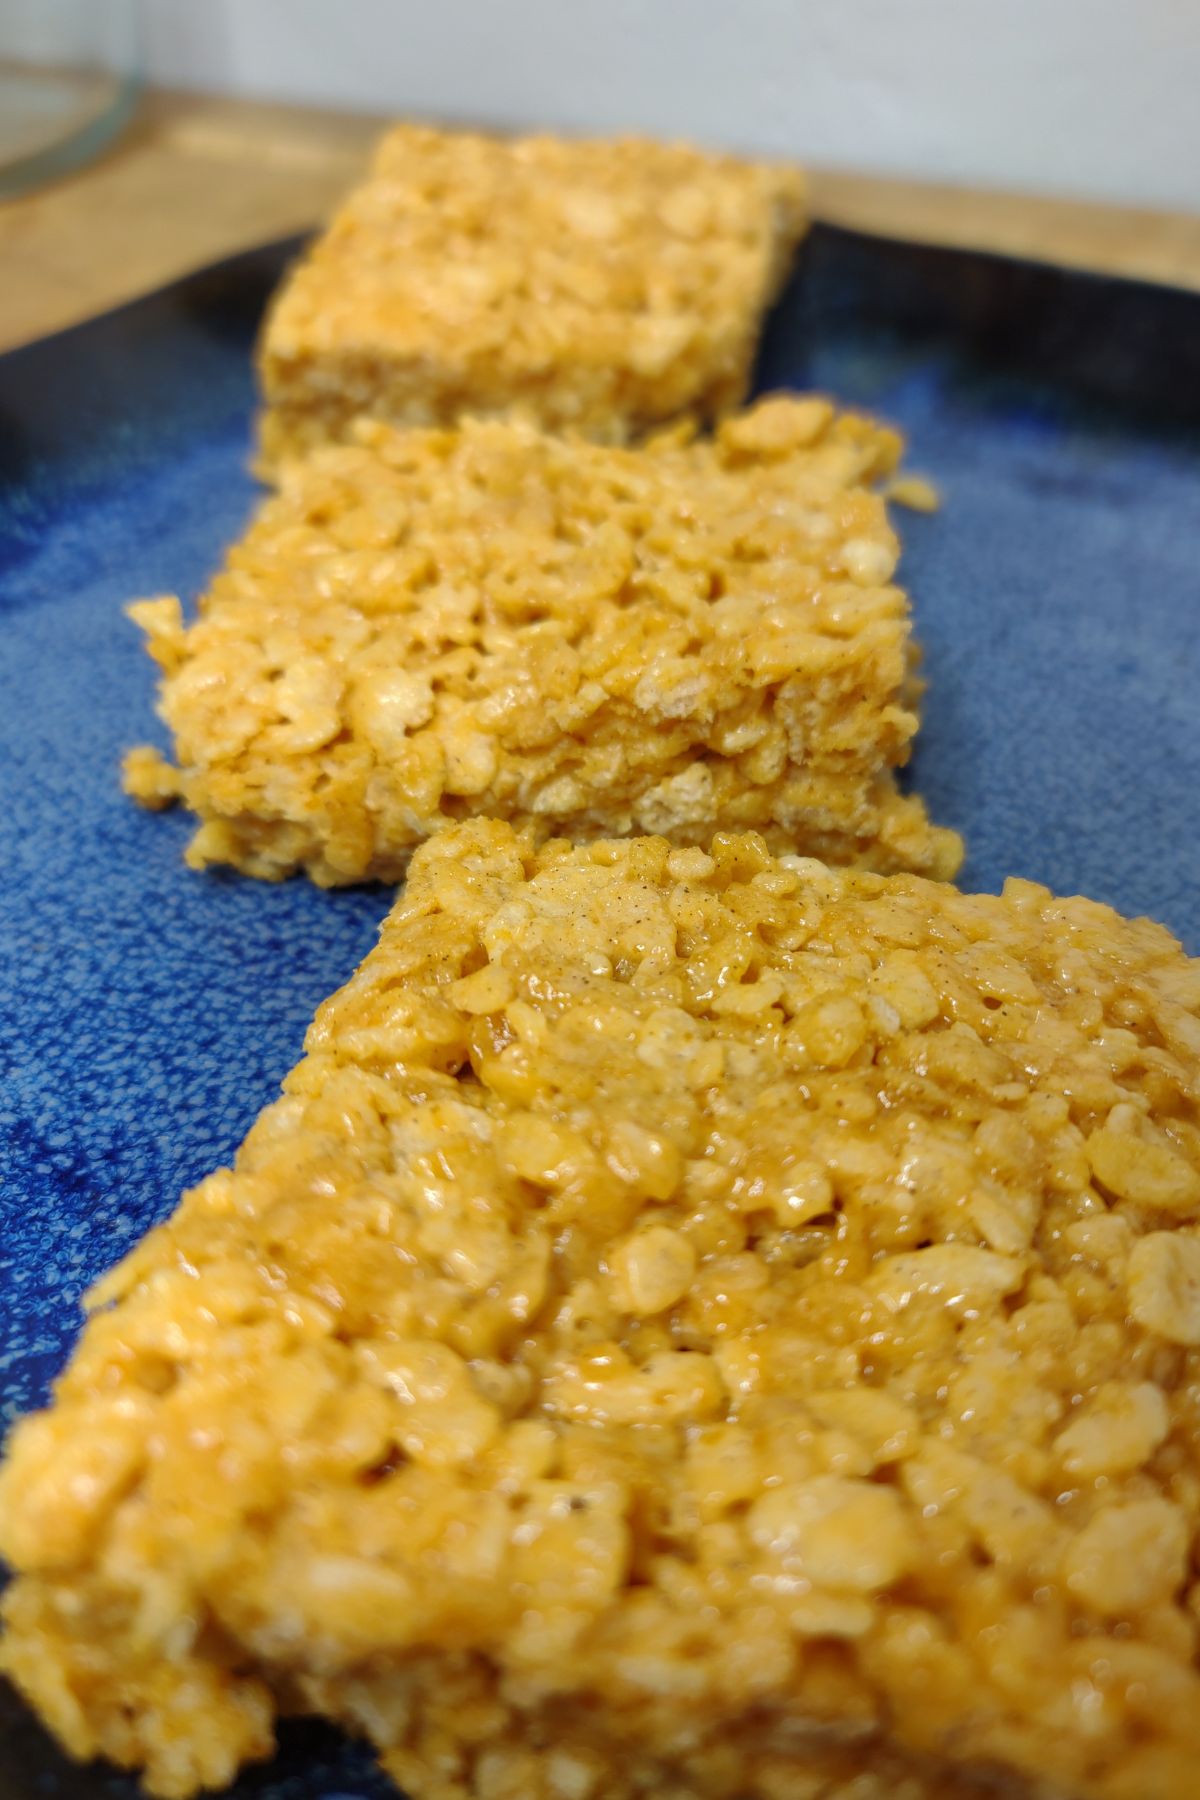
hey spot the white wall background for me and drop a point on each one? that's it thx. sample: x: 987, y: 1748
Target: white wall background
x: 1089, y: 97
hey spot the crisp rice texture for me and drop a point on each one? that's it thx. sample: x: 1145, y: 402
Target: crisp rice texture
x: 600, y: 286
x: 679, y: 638
x: 696, y: 1325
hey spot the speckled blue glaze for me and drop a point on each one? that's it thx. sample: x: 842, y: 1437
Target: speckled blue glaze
x: 147, y: 1014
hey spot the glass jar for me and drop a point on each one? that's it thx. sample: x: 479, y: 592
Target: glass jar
x: 69, y: 77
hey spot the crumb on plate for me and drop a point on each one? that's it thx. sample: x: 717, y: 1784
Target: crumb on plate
x: 916, y: 492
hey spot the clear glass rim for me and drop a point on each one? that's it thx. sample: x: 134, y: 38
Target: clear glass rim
x: 82, y: 142
x: 79, y: 146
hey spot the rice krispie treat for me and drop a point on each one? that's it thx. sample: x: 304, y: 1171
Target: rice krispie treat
x: 695, y: 1325
x: 601, y: 286
x: 680, y: 638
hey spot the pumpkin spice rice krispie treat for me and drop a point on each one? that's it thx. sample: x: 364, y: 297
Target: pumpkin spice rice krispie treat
x: 690, y: 636
x: 696, y: 1325
x: 599, y: 286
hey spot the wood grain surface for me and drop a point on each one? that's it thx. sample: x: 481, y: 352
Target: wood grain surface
x: 197, y: 178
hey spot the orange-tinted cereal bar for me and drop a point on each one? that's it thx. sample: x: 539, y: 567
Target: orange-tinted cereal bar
x: 695, y: 1324
x: 600, y: 286
x: 688, y: 636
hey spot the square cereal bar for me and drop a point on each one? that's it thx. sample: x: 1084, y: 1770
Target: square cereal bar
x: 684, y: 637
x: 695, y: 1325
x: 602, y: 286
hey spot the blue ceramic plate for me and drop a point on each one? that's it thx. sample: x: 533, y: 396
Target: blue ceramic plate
x: 147, y: 1014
